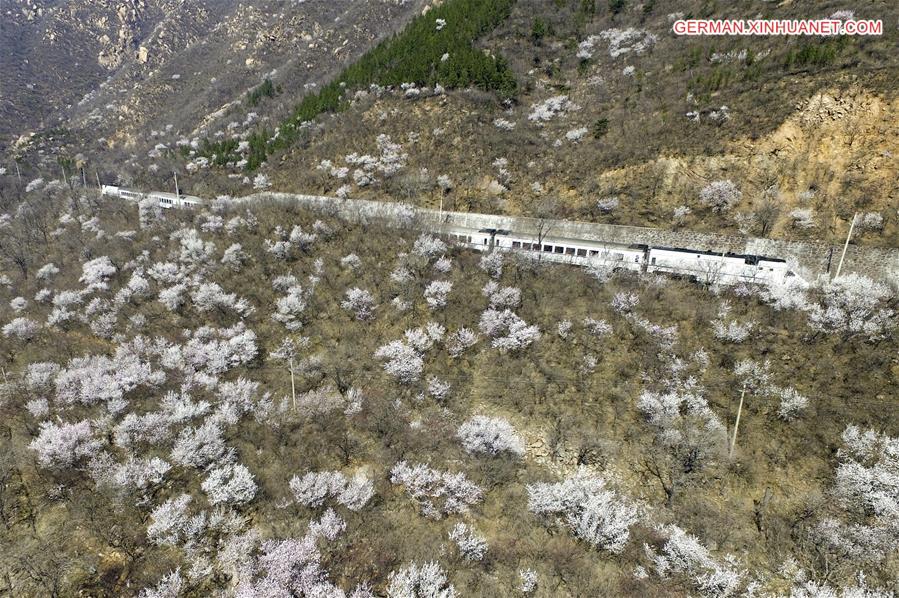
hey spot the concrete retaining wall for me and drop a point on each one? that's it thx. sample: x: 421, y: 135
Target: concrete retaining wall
x: 810, y: 259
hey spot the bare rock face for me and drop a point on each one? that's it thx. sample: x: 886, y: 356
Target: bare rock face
x: 143, y: 54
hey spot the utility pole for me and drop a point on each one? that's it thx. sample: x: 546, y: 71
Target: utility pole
x: 846, y: 246
x: 18, y: 173
x: 99, y: 186
x: 733, y: 440
x: 83, y: 179
x: 177, y: 192
x: 293, y: 388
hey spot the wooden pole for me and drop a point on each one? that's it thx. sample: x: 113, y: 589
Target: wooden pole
x: 733, y: 440
x: 83, y: 178
x: 846, y: 246
x: 18, y: 172
x: 99, y: 186
x: 293, y: 388
x: 177, y: 192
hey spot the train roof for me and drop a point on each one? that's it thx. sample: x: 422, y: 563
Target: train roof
x: 172, y: 196
x: 548, y: 239
x: 743, y: 256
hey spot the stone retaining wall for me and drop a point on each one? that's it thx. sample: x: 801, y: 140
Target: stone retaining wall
x: 810, y: 259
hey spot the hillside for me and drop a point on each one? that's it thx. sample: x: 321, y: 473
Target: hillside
x: 220, y: 377
x: 134, y: 74
x: 612, y: 118
x: 259, y: 400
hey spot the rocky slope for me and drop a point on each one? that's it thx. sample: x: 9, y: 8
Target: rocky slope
x: 120, y: 70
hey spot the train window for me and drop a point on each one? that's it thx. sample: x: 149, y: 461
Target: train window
x: 516, y: 244
x: 569, y: 250
x: 593, y: 253
x: 469, y: 238
x: 582, y: 252
x: 485, y: 241
x: 560, y: 249
x: 636, y: 259
x: 653, y: 262
x: 548, y: 248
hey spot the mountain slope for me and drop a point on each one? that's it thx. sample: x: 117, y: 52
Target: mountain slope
x: 119, y: 71
x: 616, y: 119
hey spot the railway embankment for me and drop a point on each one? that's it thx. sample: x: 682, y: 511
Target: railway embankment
x: 810, y: 258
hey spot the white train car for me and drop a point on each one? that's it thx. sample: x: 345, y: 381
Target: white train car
x: 576, y: 251
x: 554, y: 249
x: 170, y: 200
x: 717, y: 268
x: 703, y: 266
x: 165, y: 200
x: 111, y: 190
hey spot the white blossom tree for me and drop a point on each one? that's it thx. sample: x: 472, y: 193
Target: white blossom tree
x: 96, y: 273
x: 460, y: 340
x: 438, y: 493
x: 591, y: 510
x: 491, y: 436
x: 313, y: 488
x: 720, y: 195
x: 492, y: 264
x: 472, y: 545
x: 170, y: 586
x: 420, y: 581
x: 234, y: 257
x: 683, y: 554
x: 229, y: 484
x: 361, y: 302
x: 528, y: 579
x: 63, y: 445
x: 201, y: 446
x: 290, y: 308
x: 171, y: 523
x: 436, y: 293
x: 21, y: 328
x: 403, y: 362
x: 853, y: 306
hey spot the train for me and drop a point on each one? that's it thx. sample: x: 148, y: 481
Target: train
x: 165, y: 200
x: 701, y: 266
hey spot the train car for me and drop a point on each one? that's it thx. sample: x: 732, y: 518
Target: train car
x: 777, y: 271
x: 164, y: 199
x: 469, y: 237
x: 577, y: 252
x: 554, y: 249
x: 110, y: 190
x: 718, y: 268
x: 170, y: 200
x: 130, y: 195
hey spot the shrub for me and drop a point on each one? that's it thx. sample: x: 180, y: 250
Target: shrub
x: 490, y: 435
